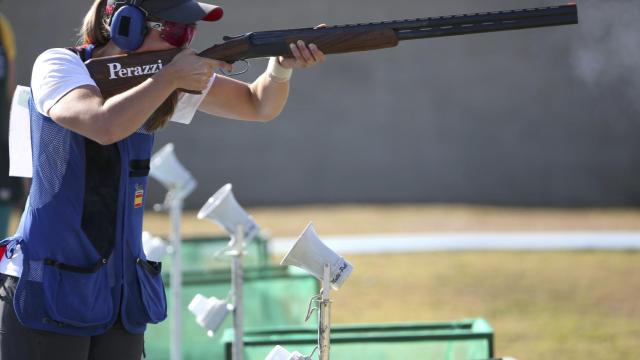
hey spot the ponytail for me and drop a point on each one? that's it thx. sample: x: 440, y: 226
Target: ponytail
x: 163, y: 113
x: 95, y: 27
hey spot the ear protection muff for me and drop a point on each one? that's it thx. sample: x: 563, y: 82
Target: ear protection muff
x: 128, y: 26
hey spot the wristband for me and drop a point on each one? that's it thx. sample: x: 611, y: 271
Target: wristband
x: 277, y: 72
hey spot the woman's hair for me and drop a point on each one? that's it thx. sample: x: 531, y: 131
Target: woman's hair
x: 95, y: 26
x: 95, y: 30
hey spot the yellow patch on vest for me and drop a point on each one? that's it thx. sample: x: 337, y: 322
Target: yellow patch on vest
x: 137, y: 201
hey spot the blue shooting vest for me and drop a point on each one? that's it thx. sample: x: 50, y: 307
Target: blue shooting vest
x: 81, y: 232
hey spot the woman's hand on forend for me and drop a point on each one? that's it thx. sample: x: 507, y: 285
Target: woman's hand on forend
x: 305, y: 55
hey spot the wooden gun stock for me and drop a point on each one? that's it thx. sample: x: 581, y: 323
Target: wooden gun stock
x: 116, y: 74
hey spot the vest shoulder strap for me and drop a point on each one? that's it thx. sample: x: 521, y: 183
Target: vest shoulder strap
x: 80, y: 51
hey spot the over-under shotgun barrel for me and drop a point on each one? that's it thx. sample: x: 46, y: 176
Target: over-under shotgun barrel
x: 119, y: 73
x: 370, y: 36
x: 488, y: 22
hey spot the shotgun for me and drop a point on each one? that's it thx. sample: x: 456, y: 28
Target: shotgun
x: 115, y: 74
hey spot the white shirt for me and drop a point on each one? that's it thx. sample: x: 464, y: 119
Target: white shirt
x: 58, y: 71
x: 55, y: 73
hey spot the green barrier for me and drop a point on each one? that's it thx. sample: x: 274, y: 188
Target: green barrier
x: 199, y: 254
x: 458, y: 340
x: 273, y: 296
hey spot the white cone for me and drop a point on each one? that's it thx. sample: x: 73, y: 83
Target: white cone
x: 166, y: 168
x: 210, y: 313
x: 153, y: 246
x: 280, y: 353
x: 223, y: 209
x: 310, y: 253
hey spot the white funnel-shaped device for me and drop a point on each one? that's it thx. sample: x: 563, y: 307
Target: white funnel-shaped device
x: 153, y: 246
x: 166, y: 168
x: 280, y: 353
x: 310, y: 254
x: 209, y: 312
x: 223, y: 209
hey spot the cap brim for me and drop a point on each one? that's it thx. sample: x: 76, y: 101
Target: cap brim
x: 191, y: 12
x: 213, y: 12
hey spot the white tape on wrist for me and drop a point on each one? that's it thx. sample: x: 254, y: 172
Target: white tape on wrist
x: 277, y: 72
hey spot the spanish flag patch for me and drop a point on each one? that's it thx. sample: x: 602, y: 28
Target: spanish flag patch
x: 137, y: 201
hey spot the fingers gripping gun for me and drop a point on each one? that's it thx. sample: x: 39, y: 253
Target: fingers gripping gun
x: 116, y: 74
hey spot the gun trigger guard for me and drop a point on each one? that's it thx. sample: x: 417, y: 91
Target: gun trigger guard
x: 237, y: 72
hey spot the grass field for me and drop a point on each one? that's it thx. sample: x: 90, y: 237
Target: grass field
x: 560, y: 305
x: 542, y: 305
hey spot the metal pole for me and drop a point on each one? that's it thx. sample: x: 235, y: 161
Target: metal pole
x: 324, y: 317
x: 175, y: 214
x: 236, y: 283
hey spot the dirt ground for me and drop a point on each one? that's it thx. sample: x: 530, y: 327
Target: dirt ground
x: 402, y: 218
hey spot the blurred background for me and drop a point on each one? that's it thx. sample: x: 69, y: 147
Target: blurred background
x: 511, y: 133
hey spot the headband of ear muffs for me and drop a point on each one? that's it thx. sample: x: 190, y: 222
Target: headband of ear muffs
x: 128, y: 26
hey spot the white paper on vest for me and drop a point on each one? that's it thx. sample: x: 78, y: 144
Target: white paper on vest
x: 188, y: 105
x: 20, y: 134
x: 20, y: 162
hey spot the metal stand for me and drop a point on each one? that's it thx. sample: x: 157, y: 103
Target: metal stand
x: 324, y: 316
x: 237, y: 253
x: 175, y: 214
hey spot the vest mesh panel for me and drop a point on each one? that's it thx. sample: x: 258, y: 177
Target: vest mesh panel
x: 51, y: 148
